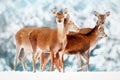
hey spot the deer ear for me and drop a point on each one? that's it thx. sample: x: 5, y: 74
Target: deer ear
x: 68, y: 16
x: 54, y: 11
x: 95, y: 13
x: 108, y: 13
x: 65, y: 11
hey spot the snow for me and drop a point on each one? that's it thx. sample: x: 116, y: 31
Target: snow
x: 15, y: 14
x: 11, y: 75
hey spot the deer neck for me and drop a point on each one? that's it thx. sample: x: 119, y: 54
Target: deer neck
x: 70, y: 26
x: 93, y: 36
x: 61, y: 32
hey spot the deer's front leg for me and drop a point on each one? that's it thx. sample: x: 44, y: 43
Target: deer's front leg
x: 44, y: 61
x: 80, y: 60
x: 52, y: 60
x: 62, y: 60
x: 34, y: 61
x: 86, y: 56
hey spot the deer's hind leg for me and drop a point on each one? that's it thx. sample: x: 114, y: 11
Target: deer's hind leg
x: 86, y: 56
x: 23, y: 59
x: 80, y: 60
x: 34, y: 58
x: 18, y: 49
x: 45, y: 61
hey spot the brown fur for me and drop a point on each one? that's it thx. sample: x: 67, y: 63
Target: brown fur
x: 76, y: 43
x: 85, y: 30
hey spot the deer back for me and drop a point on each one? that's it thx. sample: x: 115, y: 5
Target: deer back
x: 22, y: 37
x: 40, y: 37
x: 76, y: 43
x: 85, y: 30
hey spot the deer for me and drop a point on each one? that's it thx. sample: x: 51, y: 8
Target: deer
x: 83, y: 42
x: 47, y: 40
x: 22, y: 39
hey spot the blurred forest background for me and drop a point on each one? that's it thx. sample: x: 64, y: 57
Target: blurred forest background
x: 16, y: 14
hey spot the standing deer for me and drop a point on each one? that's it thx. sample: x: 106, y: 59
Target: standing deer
x: 47, y: 40
x: 83, y: 42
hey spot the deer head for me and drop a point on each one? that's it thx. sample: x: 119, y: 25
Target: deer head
x: 59, y: 15
x: 101, y: 17
x: 73, y: 27
x: 100, y: 31
x: 70, y: 25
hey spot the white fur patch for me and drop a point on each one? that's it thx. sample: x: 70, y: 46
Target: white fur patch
x: 60, y: 27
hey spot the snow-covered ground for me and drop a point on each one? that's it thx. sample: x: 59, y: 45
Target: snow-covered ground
x: 15, y: 14
x: 59, y: 76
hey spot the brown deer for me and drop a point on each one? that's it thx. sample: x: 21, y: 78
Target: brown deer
x: 94, y: 39
x: 82, y: 42
x: 50, y: 40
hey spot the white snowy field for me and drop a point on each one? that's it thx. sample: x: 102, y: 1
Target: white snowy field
x: 16, y: 14
x: 11, y: 75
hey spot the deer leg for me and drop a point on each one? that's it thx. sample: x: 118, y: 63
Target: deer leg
x: 23, y: 61
x: 57, y: 62
x: 34, y: 61
x: 52, y: 60
x: 41, y: 61
x: 46, y: 59
x: 18, y: 49
x: 86, y: 56
x: 37, y: 56
x: 61, y: 60
x: 80, y: 60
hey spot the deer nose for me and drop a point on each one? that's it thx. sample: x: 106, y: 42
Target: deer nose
x: 105, y: 35
x: 102, y: 22
x: 59, y: 21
